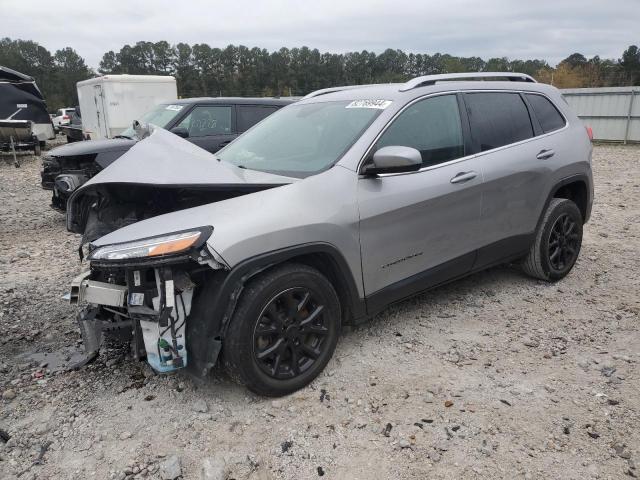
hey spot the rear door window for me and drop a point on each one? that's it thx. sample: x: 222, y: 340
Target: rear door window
x: 547, y: 114
x: 431, y: 126
x: 249, y: 115
x: 497, y: 119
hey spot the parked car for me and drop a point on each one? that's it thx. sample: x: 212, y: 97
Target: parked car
x: 62, y: 117
x: 324, y: 214
x: 210, y: 123
x: 73, y: 131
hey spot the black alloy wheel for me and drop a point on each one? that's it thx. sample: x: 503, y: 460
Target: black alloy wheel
x: 290, y: 333
x: 557, y: 242
x: 564, y: 243
x: 284, y: 330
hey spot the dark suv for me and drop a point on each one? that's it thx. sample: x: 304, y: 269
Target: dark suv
x: 210, y: 123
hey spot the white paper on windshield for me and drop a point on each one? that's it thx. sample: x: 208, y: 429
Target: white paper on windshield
x: 175, y: 108
x: 377, y: 104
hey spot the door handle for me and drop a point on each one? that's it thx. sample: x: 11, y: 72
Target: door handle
x: 544, y: 154
x: 464, y: 177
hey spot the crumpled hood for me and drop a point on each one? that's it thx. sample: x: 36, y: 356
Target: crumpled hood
x: 166, y: 159
x: 90, y: 147
x: 160, y: 174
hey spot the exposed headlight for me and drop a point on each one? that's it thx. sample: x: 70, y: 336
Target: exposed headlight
x: 152, y: 247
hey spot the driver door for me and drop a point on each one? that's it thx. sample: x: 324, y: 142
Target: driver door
x: 417, y: 229
x: 210, y: 127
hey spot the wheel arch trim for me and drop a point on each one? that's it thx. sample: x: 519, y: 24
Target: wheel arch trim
x: 579, y: 177
x: 219, y: 298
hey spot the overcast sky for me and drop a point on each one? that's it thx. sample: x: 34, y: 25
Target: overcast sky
x: 547, y: 29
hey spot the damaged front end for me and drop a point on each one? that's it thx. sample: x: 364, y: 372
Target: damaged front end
x: 143, y: 292
x: 66, y: 168
x: 154, y: 277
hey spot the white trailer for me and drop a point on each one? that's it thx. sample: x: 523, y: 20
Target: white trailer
x: 109, y: 104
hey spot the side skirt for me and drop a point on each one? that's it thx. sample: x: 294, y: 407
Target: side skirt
x: 492, y: 255
x: 419, y: 282
x: 503, y: 251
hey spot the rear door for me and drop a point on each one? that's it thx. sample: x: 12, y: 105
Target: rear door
x: 503, y: 134
x: 418, y: 229
x: 551, y: 148
x: 210, y: 127
x: 249, y: 115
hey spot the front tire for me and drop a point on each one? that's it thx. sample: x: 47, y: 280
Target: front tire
x: 284, y: 330
x: 557, y: 243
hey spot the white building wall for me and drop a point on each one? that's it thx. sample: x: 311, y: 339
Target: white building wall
x: 612, y: 112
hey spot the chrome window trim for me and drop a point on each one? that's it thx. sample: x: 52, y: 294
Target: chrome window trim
x: 466, y: 157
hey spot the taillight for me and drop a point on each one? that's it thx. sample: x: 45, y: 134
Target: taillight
x: 589, y: 132
x: 65, y: 117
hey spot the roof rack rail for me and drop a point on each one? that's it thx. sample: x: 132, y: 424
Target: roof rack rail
x: 433, y: 79
x: 324, y: 91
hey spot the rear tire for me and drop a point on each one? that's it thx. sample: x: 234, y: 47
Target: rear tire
x: 557, y: 243
x: 284, y: 330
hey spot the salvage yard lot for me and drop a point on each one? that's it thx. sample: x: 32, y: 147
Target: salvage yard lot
x: 494, y: 376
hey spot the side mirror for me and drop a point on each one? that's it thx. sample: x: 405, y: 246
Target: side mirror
x: 393, y: 159
x: 180, y: 131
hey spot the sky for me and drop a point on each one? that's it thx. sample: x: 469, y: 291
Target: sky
x: 523, y: 29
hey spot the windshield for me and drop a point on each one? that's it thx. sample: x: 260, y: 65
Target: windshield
x: 301, y: 140
x: 161, y: 116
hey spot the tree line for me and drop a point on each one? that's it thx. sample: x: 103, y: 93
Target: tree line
x: 202, y: 70
x: 56, y: 74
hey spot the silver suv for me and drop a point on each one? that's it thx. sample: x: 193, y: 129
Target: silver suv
x: 322, y: 215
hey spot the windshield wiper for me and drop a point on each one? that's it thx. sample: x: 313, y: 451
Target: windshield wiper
x: 123, y: 136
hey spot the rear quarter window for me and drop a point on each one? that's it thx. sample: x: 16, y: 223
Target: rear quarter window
x: 546, y: 112
x: 497, y: 119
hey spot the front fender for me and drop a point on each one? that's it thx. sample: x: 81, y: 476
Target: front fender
x: 215, y: 304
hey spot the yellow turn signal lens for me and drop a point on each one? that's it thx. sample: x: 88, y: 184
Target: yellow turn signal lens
x: 174, y: 246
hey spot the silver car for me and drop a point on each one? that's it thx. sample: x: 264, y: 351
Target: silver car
x: 322, y: 215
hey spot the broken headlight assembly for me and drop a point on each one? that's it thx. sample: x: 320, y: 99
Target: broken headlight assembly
x: 152, y: 247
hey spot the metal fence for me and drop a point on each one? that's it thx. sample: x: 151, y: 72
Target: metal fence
x: 612, y: 112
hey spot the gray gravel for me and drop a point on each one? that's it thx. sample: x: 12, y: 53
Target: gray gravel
x: 495, y: 376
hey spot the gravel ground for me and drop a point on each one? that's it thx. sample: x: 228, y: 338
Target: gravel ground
x: 494, y: 376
